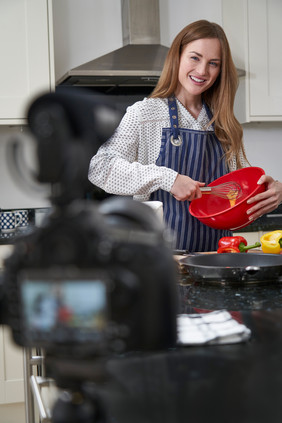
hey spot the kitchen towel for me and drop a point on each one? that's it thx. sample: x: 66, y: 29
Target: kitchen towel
x: 216, y: 327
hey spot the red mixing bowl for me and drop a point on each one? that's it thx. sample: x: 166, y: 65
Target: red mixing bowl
x: 217, y: 212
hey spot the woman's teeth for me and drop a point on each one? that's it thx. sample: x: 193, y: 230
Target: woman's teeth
x: 196, y: 79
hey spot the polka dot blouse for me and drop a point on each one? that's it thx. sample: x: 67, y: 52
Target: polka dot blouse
x: 125, y: 164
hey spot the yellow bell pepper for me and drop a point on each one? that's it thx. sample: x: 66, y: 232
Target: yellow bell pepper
x: 272, y: 242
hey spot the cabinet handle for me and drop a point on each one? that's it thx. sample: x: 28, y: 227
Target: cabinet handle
x: 36, y: 391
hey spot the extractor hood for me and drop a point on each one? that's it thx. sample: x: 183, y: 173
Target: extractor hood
x: 138, y: 62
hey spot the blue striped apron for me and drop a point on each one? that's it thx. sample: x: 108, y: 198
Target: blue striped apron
x: 199, y: 155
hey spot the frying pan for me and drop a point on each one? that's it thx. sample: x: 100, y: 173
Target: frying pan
x: 234, y: 268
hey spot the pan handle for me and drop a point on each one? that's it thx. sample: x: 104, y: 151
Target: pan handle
x: 180, y: 252
x: 252, y: 270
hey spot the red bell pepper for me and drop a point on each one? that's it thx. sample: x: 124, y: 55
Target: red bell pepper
x: 228, y: 250
x: 235, y: 244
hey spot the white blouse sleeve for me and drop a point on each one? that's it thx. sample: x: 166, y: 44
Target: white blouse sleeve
x: 115, y: 168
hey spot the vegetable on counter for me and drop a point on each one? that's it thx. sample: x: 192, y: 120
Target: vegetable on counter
x: 272, y: 242
x: 235, y: 244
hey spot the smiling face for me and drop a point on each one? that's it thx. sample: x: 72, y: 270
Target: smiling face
x: 199, y: 67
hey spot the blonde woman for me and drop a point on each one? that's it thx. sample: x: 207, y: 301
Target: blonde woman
x: 182, y: 137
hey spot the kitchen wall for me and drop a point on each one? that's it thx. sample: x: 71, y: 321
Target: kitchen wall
x: 84, y: 33
x: 18, y: 186
x: 263, y: 143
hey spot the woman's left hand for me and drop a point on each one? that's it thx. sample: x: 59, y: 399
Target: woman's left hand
x: 267, y: 201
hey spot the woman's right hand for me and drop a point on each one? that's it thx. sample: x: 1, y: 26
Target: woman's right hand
x: 185, y: 188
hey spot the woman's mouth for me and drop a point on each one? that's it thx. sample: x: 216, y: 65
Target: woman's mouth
x: 197, y: 80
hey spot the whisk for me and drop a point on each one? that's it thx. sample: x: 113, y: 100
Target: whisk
x: 230, y: 190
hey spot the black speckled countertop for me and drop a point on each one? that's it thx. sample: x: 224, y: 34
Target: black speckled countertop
x: 262, y: 296
x: 222, y: 383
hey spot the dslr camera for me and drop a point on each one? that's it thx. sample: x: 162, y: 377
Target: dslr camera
x: 97, y: 279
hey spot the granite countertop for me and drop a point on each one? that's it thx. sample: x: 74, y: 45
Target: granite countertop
x: 226, y: 383
x: 231, y: 383
x: 262, y: 296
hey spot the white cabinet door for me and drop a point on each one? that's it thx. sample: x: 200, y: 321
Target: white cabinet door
x: 11, y: 369
x: 254, y: 31
x: 265, y: 58
x: 26, y: 49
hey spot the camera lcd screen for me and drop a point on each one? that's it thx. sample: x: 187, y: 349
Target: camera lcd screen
x: 64, y: 310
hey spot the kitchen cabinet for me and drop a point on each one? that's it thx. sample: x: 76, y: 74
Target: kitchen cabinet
x: 27, y: 65
x: 12, y: 407
x: 11, y: 365
x: 254, y: 30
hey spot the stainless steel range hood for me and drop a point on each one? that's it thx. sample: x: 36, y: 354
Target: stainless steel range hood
x: 138, y: 62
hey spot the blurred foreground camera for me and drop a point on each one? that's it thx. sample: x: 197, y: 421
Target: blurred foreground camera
x: 96, y: 279
x: 92, y: 281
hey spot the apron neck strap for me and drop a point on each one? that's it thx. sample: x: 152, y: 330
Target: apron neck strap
x: 209, y: 113
x: 173, y: 115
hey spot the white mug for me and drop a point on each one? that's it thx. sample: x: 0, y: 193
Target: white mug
x: 157, y: 206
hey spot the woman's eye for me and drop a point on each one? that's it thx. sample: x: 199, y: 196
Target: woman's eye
x: 194, y: 58
x: 215, y: 64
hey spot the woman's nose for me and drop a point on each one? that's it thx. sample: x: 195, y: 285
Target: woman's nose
x: 202, y: 68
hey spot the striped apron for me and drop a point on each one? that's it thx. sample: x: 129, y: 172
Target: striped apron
x: 199, y: 155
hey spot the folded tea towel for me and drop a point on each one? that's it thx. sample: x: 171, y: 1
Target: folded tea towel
x: 216, y: 327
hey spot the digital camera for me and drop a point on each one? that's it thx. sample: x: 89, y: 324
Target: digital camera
x: 97, y: 278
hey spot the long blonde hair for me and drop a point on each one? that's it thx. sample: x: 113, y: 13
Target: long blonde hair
x: 220, y: 96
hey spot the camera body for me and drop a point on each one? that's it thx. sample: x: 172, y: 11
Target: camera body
x: 97, y: 279
x: 94, y: 280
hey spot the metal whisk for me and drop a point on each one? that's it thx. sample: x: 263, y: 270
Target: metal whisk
x: 230, y: 190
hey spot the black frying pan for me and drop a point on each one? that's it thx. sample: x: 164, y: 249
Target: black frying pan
x: 233, y: 268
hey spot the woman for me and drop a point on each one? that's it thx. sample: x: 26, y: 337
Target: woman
x: 181, y: 138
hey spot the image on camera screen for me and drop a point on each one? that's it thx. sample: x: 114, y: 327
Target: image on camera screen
x: 63, y: 310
